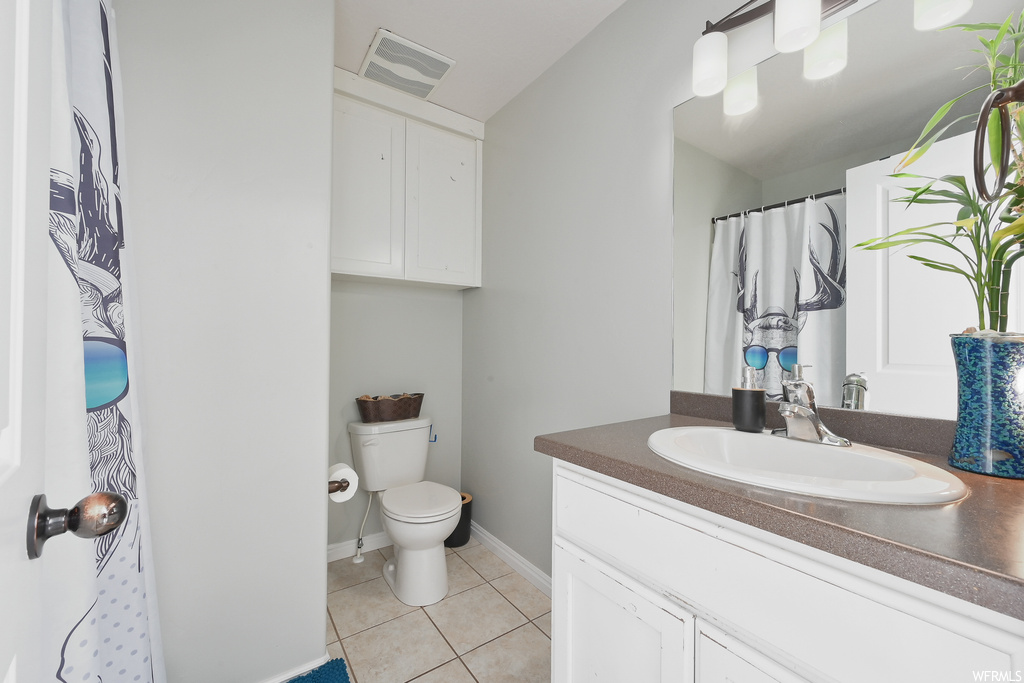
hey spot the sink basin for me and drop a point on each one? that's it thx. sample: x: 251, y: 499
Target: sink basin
x: 859, y: 472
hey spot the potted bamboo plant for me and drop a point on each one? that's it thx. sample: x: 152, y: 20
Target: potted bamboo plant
x: 984, y: 242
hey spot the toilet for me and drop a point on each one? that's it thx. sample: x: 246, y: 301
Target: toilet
x: 391, y: 458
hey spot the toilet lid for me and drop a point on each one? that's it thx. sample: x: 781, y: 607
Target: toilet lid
x: 422, y: 501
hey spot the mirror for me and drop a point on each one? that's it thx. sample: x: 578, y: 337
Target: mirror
x: 804, y: 135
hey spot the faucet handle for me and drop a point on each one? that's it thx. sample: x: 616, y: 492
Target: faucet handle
x: 798, y: 390
x: 797, y: 372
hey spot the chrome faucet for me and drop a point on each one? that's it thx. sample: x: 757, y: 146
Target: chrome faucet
x: 801, y: 413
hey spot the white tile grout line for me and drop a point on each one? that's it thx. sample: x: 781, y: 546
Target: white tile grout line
x: 529, y: 621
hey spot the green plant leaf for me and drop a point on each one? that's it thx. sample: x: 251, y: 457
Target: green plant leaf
x: 1014, y: 228
x: 925, y: 200
x: 987, y: 26
x: 917, y: 230
x: 918, y: 149
x: 1001, y: 34
x: 888, y: 243
x: 995, y: 139
x: 987, y: 239
x: 1012, y: 259
x: 957, y: 181
x: 938, y: 265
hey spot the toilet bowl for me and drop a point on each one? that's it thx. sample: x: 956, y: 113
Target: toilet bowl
x: 417, y: 515
x: 417, y: 518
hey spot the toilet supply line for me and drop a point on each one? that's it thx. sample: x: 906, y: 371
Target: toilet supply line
x: 359, y: 544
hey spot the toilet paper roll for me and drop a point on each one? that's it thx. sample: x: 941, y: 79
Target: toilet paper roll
x: 339, y: 472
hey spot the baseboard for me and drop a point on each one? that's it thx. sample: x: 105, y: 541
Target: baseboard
x: 345, y: 549
x: 299, y: 670
x: 339, y: 551
x: 513, y: 559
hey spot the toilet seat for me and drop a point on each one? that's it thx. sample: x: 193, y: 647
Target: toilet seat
x: 420, y: 503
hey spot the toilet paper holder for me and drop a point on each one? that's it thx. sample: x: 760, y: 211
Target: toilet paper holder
x: 337, y: 486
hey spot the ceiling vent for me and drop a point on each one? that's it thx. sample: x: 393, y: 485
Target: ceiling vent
x: 404, y: 65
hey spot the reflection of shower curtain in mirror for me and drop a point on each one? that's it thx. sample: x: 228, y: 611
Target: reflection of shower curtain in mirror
x: 777, y: 294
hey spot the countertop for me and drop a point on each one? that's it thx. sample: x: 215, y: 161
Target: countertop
x: 972, y: 549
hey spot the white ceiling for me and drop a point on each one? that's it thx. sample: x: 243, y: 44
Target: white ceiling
x: 499, y: 46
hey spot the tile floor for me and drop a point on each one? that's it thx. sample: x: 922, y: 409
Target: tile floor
x: 494, y: 625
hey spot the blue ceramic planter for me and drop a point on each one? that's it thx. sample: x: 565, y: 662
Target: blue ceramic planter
x: 990, y: 408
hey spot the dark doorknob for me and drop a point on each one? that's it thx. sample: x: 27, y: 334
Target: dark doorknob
x: 93, y: 516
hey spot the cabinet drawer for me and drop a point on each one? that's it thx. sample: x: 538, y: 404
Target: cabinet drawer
x: 816, y: 628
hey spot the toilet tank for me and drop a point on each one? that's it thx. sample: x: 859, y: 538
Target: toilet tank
x: 389, y: 454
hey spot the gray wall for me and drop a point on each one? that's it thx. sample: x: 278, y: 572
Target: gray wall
x: 390, y: 339
x: 705, y: 187
x: 827, y: 176
x: 573, y: 326
x: 228, y: 137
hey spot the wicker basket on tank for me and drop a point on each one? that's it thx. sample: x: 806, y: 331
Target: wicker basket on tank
x: 389, y: 408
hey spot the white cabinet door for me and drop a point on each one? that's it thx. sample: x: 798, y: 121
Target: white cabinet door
x: 368, y: 191
x: 609, y: 628
x: 722, y: 659
x: 442, y: 226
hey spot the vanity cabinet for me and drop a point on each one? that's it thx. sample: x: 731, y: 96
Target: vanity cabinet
x: 726, y: 601
x: 613, y: 628
x: 405, y: 197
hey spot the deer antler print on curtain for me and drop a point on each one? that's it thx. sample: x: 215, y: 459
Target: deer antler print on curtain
x: 777, y: 294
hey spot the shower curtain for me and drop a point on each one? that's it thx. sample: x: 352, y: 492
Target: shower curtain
x: 777, y: 294
x: 109, y: 614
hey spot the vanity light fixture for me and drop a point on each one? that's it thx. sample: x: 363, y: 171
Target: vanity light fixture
x: 710, y: 63
x: 933, y: 14
x: 826, y: 56
x: 796, y: 25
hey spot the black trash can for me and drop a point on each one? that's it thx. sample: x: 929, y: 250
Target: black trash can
x: 460, y: 536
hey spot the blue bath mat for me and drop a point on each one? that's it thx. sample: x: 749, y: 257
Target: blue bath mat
x: 334, y: 671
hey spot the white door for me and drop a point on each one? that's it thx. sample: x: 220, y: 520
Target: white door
x: 24, y: 132
x: 25, y: 595
x: 899, y: 314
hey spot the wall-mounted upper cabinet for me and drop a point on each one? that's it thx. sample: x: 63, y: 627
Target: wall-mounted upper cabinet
x: 406, y: 187
x: 368, y: 191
